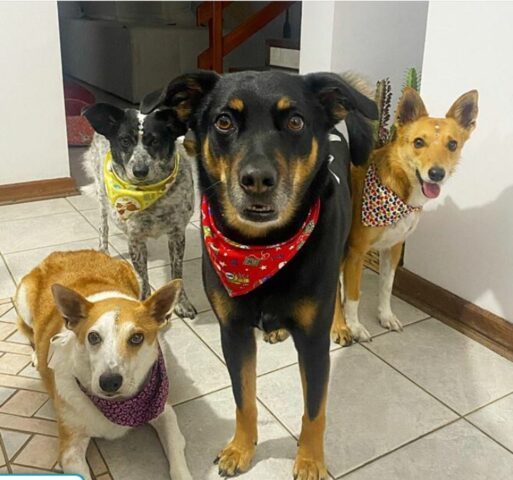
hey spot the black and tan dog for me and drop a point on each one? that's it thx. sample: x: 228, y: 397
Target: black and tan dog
x: 273, y: 183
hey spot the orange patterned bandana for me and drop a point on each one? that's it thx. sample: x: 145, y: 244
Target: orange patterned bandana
x: 381, y: 207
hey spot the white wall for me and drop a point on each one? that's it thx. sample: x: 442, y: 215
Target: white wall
x: 316, y: 42
x: 376, y: 39
x: 464, y: 242
x: 32, y: 121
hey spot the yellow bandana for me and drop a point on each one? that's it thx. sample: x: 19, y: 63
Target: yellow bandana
x: 127, y: 198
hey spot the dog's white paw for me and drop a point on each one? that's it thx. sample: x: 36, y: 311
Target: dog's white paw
x: 360, y: 333
x: 34, y: 359
x: 390, y: 322
x: 185, y: 309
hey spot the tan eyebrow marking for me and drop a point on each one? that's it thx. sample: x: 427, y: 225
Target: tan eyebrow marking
x: 283, y: 103
x: 236, y: 104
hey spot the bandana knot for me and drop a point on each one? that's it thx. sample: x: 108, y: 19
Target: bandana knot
x: 381, y: 207
x: 242, y: 268
x: 138, y: 410
x: 127, y: 198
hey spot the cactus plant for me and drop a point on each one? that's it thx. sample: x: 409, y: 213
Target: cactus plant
x: 384, y: 132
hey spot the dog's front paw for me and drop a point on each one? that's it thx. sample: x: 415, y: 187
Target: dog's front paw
x: 234, y: 459
x: 390, y: 322
x: 309, y: 469
x: 276, y: 336
x: 184, y: 308
x: 341, y: 334
x: 34, y: 359
x: 360, y: 333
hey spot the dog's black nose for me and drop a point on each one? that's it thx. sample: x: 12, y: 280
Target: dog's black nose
x: 257, y: 180
x: 140, y: 171
x: 436, y: 174
x: 111, y: 382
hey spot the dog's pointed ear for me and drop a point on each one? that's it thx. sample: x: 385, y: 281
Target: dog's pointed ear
x: 161, y: 303
x: 464, y: 110
x: 104, y: 118
x: 72, y: 306
x: 341, y: 101
x: 410, y: 107
x: 183, y: 94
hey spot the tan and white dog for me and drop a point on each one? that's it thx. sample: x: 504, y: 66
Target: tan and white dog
x: 388, y: 195
x: 101, y: 352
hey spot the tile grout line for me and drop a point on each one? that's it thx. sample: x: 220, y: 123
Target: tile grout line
x: 412, y: 381
x: 284, y: 426
x: 385, y: 330
x: 2, y: 258
x: 183, y: 402
x: 487, y: 435
x: 35, y: 216
x: 50, y: 246
x: 4, y: 453
x: 395, y: 449
x: 17, y: 454
x: 103, y: 459
x: 487, y: 404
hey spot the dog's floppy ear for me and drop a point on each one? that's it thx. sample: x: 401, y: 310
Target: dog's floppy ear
x: 183, y: 94
x: 410, y: 107
x: 161, y: 303
x: 341, y: 101
x: 465, y: 110
x: 104, y: 118
x: 169, y: 116
x: 71, y: 305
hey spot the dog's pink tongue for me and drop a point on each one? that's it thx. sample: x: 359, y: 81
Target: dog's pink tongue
x: 431, y: 190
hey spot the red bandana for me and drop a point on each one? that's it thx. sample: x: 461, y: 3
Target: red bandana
x: 382, y: 207
x: 242, y: 268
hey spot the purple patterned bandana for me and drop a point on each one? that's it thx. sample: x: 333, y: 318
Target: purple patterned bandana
x: 148, y: 404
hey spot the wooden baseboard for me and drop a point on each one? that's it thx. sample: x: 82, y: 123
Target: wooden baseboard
x: 481, y: 325
x: 37, y: 190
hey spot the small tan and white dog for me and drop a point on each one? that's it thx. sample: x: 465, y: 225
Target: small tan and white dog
x: 388, y: 195
x: 101, y: 352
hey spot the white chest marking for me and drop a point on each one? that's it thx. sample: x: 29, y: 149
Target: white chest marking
x: 97, y: 297
x: 398, y: 233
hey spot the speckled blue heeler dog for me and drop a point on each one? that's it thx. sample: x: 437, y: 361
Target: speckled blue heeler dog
x: 143, y: 181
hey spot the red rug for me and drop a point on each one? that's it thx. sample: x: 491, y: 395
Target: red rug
x: 76, y: 98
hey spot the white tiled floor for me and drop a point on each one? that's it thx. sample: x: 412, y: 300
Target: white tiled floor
x: 427, y: 403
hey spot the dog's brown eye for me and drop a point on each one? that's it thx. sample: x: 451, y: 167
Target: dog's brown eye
x: 136, y: 339
x: 452, y: 145
x: 419, y: 143
x: 296, y: 123
x: 94, y: 338
x: 224, y: 123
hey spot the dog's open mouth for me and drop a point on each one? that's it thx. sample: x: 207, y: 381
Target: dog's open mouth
x: 430, y: 190
x: 259, y: 212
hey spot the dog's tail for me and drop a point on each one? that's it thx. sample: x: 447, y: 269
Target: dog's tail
x: 359, y: 128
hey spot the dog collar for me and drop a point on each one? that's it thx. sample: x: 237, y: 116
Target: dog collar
x: 381, y: 207
x: 147, y: 405
x: 242, y: 268
x: 128, y: 198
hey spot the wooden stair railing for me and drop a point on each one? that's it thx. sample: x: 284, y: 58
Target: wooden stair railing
x: 220, y: 45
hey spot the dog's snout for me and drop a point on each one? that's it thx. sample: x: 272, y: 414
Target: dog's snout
x: 111, y: 382
x: 436, y: 174
x: 140, y: 170
x: 257, y: 179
